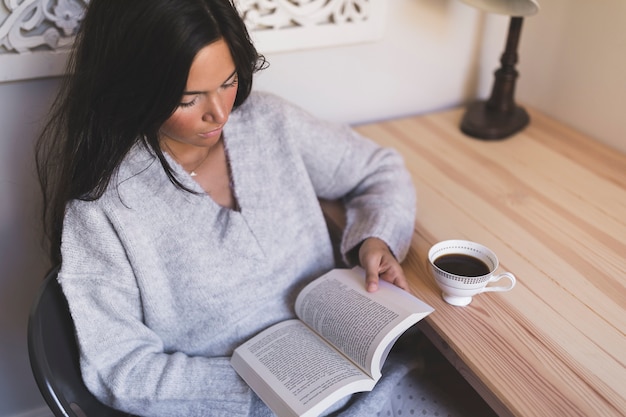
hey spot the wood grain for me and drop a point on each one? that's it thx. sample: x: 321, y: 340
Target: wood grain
x: 552, y: 204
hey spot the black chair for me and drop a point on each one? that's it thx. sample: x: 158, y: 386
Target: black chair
x: 54, y: 356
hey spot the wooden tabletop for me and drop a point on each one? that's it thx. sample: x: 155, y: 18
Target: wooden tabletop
x: 552, y: 204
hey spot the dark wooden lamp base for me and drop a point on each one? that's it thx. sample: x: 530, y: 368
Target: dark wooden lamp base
x: 499, y: 117
x: 481, y: 122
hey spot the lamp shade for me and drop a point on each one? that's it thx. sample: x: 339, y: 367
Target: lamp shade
x: 506, y: 7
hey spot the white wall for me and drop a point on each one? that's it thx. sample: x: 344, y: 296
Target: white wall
x: 22, y: 261
x: 574, y: 66
x: 423, y: 63
x: 436, y: 54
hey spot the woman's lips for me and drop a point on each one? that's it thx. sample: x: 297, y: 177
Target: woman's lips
x: 211, y: 133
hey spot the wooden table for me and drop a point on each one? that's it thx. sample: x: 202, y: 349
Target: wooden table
x: 552, y: 204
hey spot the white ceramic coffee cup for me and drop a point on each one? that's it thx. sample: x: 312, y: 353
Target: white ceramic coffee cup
x: 458, y: 290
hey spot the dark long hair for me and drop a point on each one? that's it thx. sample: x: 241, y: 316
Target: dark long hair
x: 125, y: 77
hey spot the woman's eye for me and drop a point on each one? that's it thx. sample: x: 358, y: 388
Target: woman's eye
x: 232, y: 82
x: 190, y: 103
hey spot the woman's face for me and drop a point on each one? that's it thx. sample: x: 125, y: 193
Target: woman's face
x: 207, y: 101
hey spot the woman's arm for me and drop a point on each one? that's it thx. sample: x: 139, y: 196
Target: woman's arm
x: 373, y: 184
x: 124, y: 363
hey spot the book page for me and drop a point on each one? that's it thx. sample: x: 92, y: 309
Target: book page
x: 361, y: 325
x: 294, y: 371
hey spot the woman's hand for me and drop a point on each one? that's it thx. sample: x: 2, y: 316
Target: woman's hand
x: 378, y: 262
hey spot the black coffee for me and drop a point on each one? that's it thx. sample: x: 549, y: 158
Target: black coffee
x: 463, y: 265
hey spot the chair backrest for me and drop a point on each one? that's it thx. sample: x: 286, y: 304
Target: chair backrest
x: 54, y: 356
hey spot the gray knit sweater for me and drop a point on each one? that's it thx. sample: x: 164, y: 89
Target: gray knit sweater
x: 163, y: 284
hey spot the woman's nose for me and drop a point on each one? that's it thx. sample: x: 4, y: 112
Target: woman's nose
x: 215, y: 110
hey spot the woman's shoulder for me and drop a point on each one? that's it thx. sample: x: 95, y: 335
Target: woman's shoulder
x: 265, y: 98
x: 264, y: 104
x: 139, y: 173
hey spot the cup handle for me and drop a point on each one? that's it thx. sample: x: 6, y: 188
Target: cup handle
x: 497, y: 288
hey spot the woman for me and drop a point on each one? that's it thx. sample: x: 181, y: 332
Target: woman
x: 183, y: 208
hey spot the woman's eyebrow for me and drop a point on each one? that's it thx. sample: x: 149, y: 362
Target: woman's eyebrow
x: 193, y: 93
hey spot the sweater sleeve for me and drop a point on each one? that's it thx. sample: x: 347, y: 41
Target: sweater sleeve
x: 123, y: 362
x: 372, y: 181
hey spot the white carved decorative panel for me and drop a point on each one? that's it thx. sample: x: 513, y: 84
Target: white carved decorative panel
x: 35, y: 35
x: 281, y: 25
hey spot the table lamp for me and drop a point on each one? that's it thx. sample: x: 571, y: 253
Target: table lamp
x: 499, y: 117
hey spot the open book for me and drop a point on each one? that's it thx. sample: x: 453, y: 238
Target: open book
x: 337, y: 347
